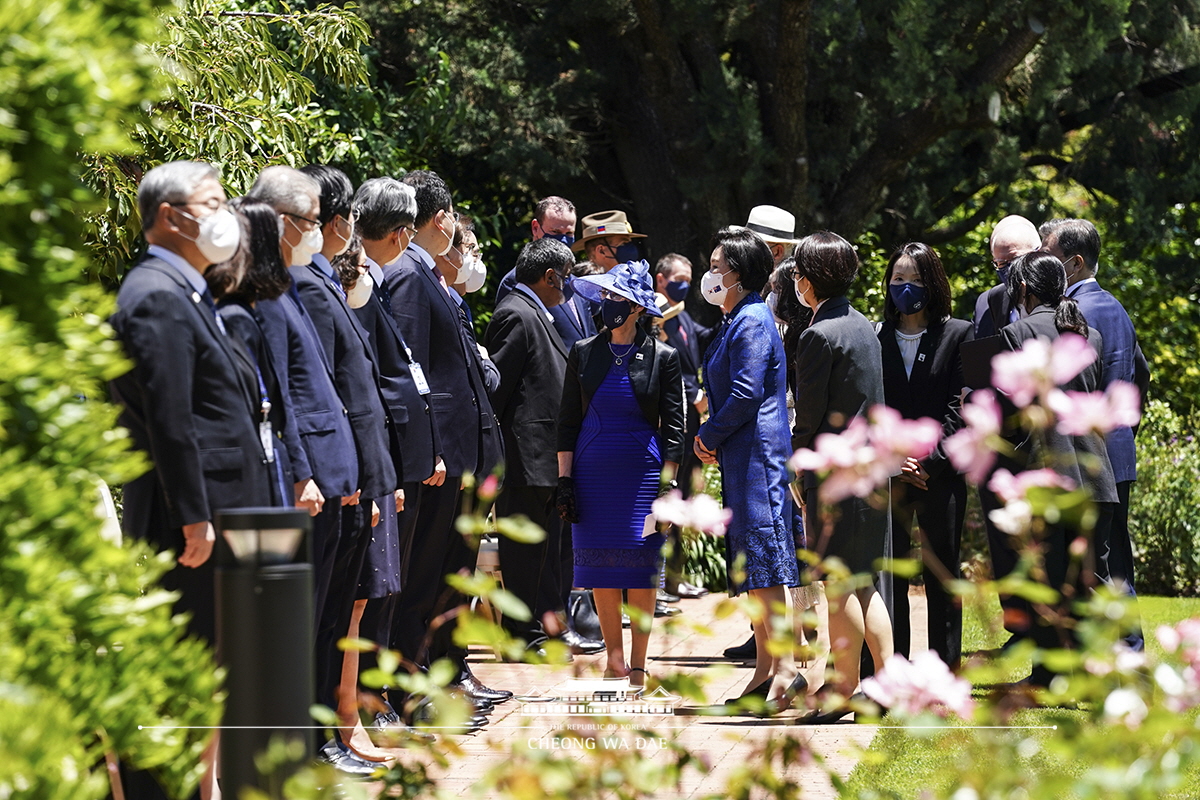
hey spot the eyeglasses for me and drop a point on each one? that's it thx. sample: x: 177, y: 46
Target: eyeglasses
x: 412, y: 231
x: 1001, y: 264
x: 212, y: 205
x: 312, y: 222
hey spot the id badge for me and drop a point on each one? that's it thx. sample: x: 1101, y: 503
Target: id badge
x: 267, y: 437
x: 418, y: 376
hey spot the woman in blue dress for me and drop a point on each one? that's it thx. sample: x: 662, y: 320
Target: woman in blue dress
x: 745, y: 376
x: 620, y: 438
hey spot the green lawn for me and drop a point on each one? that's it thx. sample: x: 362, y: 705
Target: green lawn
x: 905, y: 763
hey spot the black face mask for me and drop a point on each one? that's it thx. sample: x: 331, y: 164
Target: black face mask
x: 615, y: 312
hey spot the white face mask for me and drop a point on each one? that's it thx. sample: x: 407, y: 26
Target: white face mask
x: 360, y: 292
x: 345, y: 244
x: 218, y: 236
x: 311, y: 242
x: 476, y: 275
x: 799, y: 296
x: 713, y: 288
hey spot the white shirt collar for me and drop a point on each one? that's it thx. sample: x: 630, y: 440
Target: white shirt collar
x: 537, y: 300
x: 194, y: 278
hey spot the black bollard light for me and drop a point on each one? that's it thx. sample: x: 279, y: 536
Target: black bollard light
x: 264, y: 638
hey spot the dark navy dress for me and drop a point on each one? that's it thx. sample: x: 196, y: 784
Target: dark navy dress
x: 618, y: 459
x: 745, y: 375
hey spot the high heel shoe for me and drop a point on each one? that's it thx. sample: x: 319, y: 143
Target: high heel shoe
x: 830, y: 716
x: 797, y: 687
x: 758, y: 691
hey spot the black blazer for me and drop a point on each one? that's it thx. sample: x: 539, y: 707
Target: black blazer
x: 936, y: 383
x: 356, y: 377
x: 411, y: 418
x: 190, y: 402
x: 657, y: 381
x: 429, y: 321
x: 322, y: 420
x: 532, y: 361
x: 690, y: 339
x: 839, y: 373
x: 1063, y: 452
x: 572, y: 319
x: 992, y: 310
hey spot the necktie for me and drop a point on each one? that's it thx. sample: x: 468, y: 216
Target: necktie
x: 212, y: 307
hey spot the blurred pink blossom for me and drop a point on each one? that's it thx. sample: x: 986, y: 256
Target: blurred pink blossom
x: 908, y: 688
x: 897, y: 438
x: 968, y: 449
x: 1081, y: 413
x: 1180, y: 685
x: 1011, y: 488
x: 699, y: 512
x: 1040, y: 366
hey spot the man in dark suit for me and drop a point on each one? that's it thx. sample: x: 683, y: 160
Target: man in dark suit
x: 1013, y: 236
x: 531, y: 359
x: 554, y: 218
x: 428, y: 319
x: 1076, y: 243
x: 191, y: 401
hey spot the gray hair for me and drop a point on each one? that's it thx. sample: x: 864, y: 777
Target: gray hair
x: 381, y: 205
x: 287, y: 190
x: 173, y: 182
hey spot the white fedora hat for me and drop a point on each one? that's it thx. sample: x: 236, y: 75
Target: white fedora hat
x: 773, y: 224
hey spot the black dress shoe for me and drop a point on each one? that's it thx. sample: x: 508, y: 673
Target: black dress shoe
x: 389, y: 725
x: 664, y: 596
x: 471, y: 685
x: 425, y: 714
x: 688, y: 591
x: 581, y: 646
x: 758, y: 691
x: 743, y: 651
x: 338, y: 756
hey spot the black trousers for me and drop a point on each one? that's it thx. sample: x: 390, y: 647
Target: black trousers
x: 1018, y: 614
x: 349, y: 555
x: 533, y: 572
x: 1115, y: 558
x: 938, y: 512
x: 437, y: 549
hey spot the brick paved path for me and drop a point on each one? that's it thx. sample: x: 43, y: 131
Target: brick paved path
x: 726, y: 742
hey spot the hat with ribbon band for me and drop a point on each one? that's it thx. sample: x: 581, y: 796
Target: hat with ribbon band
x: 630, y: 280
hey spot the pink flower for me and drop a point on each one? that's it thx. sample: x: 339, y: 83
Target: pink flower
x: 968, y: 449
x: 1040, y: 366
x: 908, y: 688
x: 489, y: 487
x: 902, y: 438
x: 699, y: 513
x: 1012, y: 488
x: 1082, y: 413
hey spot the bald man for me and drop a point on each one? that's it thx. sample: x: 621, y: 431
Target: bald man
x: 1013, y: 236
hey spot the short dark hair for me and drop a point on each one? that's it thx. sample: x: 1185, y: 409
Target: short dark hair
x: 432, y: 195
x: 336, y: 191
x: 748, y: 255
x: 256, y: 271
x: 381, y: 205
x: 464, y: 226
x: 559, y: 204
x: 828, y: 262
x: 933, y: 275
x: 665, y: 263
x: 1048, y: 227
x: 787, y: 306
x: 1077, y: 237
x: 1044, y: 277
x: 541, y: 255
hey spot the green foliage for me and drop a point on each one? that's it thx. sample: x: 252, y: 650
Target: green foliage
x: 87, y: 644
x: 1164, y: 514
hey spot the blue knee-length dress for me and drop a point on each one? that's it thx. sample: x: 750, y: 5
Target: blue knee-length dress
x: 617, y: 463
x: 745, y: 376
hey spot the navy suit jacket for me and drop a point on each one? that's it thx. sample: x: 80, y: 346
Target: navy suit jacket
x: 190, y: 402
x: 356, y: 377
x: 573, y: 322
x: 321, y: 419
x: 992, y: 311
x: 532, y: 363
x: 411, y: 416
x: 428, y: 319
x: 690, y: 339
x: 1123, y: 361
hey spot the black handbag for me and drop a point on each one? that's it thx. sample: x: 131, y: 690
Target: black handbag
x: 582, y: 613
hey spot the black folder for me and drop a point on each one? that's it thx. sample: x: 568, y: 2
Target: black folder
x: 977, y: 360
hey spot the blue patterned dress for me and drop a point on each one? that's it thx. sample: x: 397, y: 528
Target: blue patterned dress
x: 617, y: 462
x: 745, y: 376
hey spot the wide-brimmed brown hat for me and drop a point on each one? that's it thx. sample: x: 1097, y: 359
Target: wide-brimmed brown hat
x: 605, y: 223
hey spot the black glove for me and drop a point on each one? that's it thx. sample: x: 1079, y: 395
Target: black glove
x: 565, y: 500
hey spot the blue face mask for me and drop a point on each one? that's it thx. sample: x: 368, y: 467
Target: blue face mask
x: 908, y: 297
x: 627, y: 252
x: 566, y: 238
x: 568, y: 289
x: 677, y: 291
x: 615, y: 312
x: 1002, y: 274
